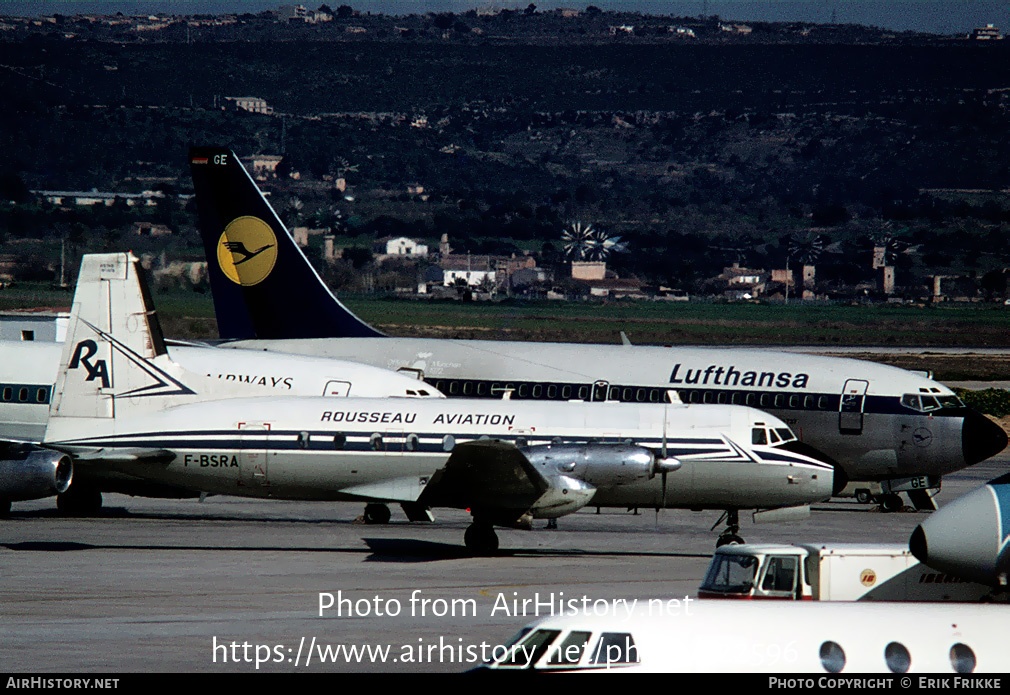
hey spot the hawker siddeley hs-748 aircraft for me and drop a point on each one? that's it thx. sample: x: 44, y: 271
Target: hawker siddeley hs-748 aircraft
x: 122, y: 405
x: 879, y: 422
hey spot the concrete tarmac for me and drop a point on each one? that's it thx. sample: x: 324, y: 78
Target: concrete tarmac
x: 215, y: 586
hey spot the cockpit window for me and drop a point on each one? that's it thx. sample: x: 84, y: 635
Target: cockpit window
x: 950, y: 401
x: 773, y: 437
x: 759, y: 436
x: 786, y: 434
x: 569, y: 653
x: 924, y: 404
x: 529, y: 651
x: 615, y: 648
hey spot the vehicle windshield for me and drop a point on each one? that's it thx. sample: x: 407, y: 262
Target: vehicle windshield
x: 731, y: 573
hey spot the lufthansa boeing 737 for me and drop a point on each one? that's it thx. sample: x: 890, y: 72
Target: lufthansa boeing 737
x: 123, y: 406
x: 879, y: 422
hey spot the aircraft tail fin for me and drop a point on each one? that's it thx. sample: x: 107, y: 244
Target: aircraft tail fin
x: 263, y: 285
x: 114, y: 358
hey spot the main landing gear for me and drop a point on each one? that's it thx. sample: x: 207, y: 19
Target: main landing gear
x: 79, y: 500
x: 480, y: 538
x: 376, y: 514
x: 731, y: 534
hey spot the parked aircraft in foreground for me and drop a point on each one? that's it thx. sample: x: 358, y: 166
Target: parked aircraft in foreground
x: 879, y: 422
x: 121, y: 405
x: 660, y: 635
x: 969, y: 537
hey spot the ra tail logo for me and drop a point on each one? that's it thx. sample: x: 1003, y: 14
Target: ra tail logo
x: 247, y: 251
x: 83, y: 353
x: 159, y: 382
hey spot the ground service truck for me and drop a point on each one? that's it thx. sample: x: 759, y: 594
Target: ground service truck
x: 831, y: 572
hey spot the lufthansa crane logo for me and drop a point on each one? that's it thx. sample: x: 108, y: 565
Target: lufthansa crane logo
x: 247, y: 251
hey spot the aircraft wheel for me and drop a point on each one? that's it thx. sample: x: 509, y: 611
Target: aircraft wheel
x: 79, y: 501
x: 481, y: 539
x: 729, y: 539
x: 377, y: 514
x: 863, y: 496
x: 891, y: 503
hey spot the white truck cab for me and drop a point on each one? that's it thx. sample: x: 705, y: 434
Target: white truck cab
x: 830, y: 572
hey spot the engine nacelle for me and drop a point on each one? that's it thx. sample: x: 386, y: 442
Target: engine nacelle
x: 598, y: 464
x: 564, y: 496
x: 39, y: 474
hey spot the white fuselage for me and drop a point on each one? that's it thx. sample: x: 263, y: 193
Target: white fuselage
x: 324, y: 448
x: 851, y: 410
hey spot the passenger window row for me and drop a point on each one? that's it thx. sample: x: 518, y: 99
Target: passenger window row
x: 535, y: 390
x: 897, y: 657
x: 24, y: 393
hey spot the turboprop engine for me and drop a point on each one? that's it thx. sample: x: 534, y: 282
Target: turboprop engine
x: 575, y: 471
x: 38, y: 474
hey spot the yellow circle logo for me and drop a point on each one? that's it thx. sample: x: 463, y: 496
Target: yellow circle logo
x: 247, y: 251
x: 868, y: 577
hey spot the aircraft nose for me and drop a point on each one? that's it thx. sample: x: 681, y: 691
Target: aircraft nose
x: 981, y: 438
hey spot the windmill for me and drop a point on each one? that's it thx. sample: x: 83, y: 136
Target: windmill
x: 581, y: 241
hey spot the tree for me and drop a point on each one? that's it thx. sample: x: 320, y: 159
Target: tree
x: 345, y: 11
x: 530, y: 10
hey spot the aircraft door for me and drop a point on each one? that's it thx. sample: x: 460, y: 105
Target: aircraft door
x: 340, y: 389
x: 600, y: 389
x: 253, y: 455
x: 850, y: 407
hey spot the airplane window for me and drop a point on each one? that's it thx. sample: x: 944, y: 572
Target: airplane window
x: 950, y: 401
x: 766, y: 400
x: 566, y: 392
x: 832, y: 657
x: 23, y: 395
x: 911, y: 400
x: 537, y: 390
x: 515, y: 638
x: 454, y: 387
x: 897, y: 657
x: 530, y: 650
x: 737, y: 398
x: 962, y: 658
x: 552, y: 391
x: 339, y: 441
x: 723, y: 397
x: 569, y: 652
x: 794, y: 401
x: 640, y: 395
x: 448, y: 443
x: 481, y: 388
x: 759, y: 436
x: 467, y: 388
x: 752, y: 399
x: 929, y: 403
x: 709, y: 397
x: 303, y: 440
x: 655, y: 395
x: 583, y: 392
x: 376, y: 441
x: 626, y: 396
x: 786, y: 434
x: 412, y: 442
x: 524, y: 389
x: 696, y: 396
x: 808, y: 403
x: 780, y: 401
x: 615, y: 648
x: 440, y: 385
x: 773, y: 437
x: 823, y: 403
x: 8, y: 393
x: 615, y: 393
x: 41, y: 396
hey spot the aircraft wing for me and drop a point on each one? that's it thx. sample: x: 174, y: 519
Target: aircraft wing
x: 134, y: 455
x: 488, y: 474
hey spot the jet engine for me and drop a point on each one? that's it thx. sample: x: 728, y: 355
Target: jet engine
x: 599, y: 464
x: 40, y: 473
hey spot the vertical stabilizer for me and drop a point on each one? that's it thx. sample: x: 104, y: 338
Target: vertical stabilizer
x: 114, y: 358
x: 263, y: 285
